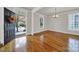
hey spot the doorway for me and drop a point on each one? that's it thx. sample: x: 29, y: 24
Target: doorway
x: 20, y: 25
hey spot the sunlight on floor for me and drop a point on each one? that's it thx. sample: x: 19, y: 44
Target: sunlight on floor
x: 41, y: 39
x: 20, y: 44
x: 73, y: 45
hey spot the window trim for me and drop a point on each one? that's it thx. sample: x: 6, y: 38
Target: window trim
x: 71, y: 16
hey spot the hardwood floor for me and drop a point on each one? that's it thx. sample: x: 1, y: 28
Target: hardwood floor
x: 46, y: 41
x: 53, y: 42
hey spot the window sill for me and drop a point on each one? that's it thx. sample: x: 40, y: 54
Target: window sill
x: 18, y: 33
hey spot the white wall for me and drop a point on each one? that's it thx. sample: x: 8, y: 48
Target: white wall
x: 61, y: 24
x: 37, y: 23
x: 1, y: 25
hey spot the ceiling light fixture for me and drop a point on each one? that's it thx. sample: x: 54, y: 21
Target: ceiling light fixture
x: 55, y: 14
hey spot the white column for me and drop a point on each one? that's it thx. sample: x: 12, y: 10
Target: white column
x: 32, y: 24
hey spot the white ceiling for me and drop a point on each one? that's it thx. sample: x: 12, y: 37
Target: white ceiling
x: 29, y: 8
x: 51, y: 10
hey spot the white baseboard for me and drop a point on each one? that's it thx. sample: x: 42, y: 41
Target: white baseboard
x: 65, y: 32
x: 28, y: 33
x: 54, y: 31
x: 40, y: 31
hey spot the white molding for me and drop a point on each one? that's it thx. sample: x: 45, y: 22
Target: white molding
x: 36, y: 9
x: 54, y: 31
x: 65, y: 32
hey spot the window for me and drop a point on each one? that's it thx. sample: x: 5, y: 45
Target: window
x: 41, y: 22
x: 74, y: 21
x: 20, y: 25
